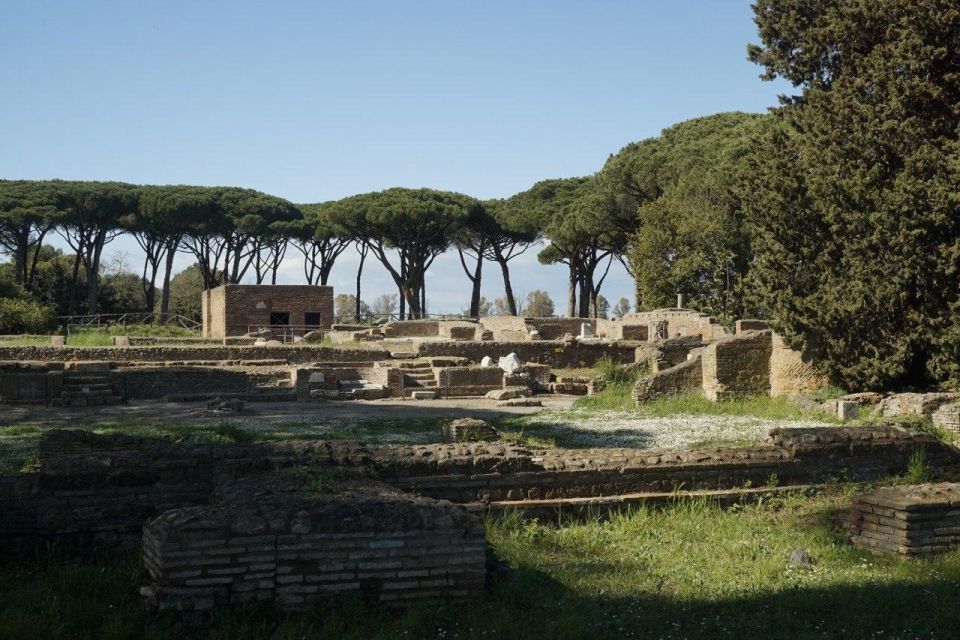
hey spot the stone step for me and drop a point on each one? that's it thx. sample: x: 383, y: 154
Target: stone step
x: 423, y: 395
x: 412, y: 384
x: 415, y: 364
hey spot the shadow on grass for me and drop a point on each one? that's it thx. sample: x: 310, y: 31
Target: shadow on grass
x: 54, y: 595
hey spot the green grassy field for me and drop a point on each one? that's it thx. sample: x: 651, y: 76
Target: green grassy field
x: 690, y: 571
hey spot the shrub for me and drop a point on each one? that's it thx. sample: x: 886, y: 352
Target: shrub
x: 25, y: 316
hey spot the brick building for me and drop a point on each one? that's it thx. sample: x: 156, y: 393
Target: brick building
x: 235, y: 309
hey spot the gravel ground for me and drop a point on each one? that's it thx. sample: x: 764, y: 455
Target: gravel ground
x: 622, y: 429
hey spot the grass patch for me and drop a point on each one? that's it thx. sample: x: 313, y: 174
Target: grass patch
x: 692, y: 571
x: 617, y: 397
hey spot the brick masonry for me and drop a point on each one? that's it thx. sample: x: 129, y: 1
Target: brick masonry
x: 555, y: 353
x: 913, y: 520
x: 299, y: 549
x: 737, y: 366
x: 231, y: 310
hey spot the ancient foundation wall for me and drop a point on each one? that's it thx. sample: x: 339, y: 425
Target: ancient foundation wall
x: 790, y: 372
x: 301, y: 551
x: 156, y: 383
x: 506, y: 328
x: 30, y: 382
x: 912, y: 520
x: 737, y: 366
x: 294, y: 354
x: 469, y: 381
x: 554, y: 353
x: 681, y: 378
x: 556, y: 328
x: 126, y: 481
x: 458, y: 329
x: 411, y: 329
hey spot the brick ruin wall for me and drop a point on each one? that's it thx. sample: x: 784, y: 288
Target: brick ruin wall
x: 301, y: 550
x: 231, y: 310
x: 411, y: 329
x: 293, y: 354
x: 737, y: 366
x: 114, y: 491
x: 681, y: 378
x: 469, y: 381
x: 155, y: 383
x: 555, y: 353
x: 506, y: 328
x: 913, y: 520
x: 790, y: 372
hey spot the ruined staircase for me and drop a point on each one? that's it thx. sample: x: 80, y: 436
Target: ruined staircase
x: 273, y: 386
x: 360, y: 390
x: 87, y: 384
x: 418, y: 374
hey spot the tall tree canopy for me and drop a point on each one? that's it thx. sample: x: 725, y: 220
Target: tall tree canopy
x: 405, y: 229
x: 92, y: 215
x: 854, y: 196
x: 228, y: 241
x: 162, y: 218
x: 28, y: 212
x: 690, y: 235
x: 585, y: 229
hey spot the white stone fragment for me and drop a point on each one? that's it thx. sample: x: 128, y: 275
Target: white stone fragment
x: 486, y: 362
x: 510, y: 363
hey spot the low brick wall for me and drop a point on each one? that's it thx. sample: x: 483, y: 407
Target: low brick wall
x: 411, y: 329
x: 294, y: 354
x: 737, y: 366
x: 156, y: 383
x: 469, y: 381
x: 302, y: 550
x: 914, y: 520
x: 682, y: 378
x: 124, y: 482
x: 555, y: 353
x: 30, y: 382
x: 556, y: 328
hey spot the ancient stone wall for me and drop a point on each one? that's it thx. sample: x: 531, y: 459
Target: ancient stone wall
x: 28, y: 382
x: 232, y: 309
x: 556, y: 328
x: 737, y: 366
x: 458, y: 329
x: 411, y: 329
x: 506, y: 328
x: 469, y: 381
x: 156, y: 383
x: 294, y: 354
x: 680, y: 322
x: 303, y: 550
x: 681, y: 378
x: 552, y: 352
x: 913, y: 520
x: 127, y: 481
x: 790, y: 372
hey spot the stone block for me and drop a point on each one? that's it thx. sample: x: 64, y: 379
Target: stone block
x: 423, y: 395
x: 847, y: 410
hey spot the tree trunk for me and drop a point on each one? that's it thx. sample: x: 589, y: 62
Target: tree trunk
x: 507, y: 287
x: 475, y: 296
x: 572, y: 292
x: 167, y: 271
x: 75, y: 285
x: 363, y: 257
x: 584, y: 307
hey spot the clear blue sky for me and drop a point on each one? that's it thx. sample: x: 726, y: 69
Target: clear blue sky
x: 318, y: 100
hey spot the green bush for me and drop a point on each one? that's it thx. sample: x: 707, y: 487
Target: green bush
x: 25, y: 316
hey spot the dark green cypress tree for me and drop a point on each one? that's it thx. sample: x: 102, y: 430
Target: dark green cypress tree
x: 854, y: 200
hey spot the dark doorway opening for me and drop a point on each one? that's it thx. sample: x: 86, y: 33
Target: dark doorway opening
x: 279, y: 318
x: 312, y: 319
